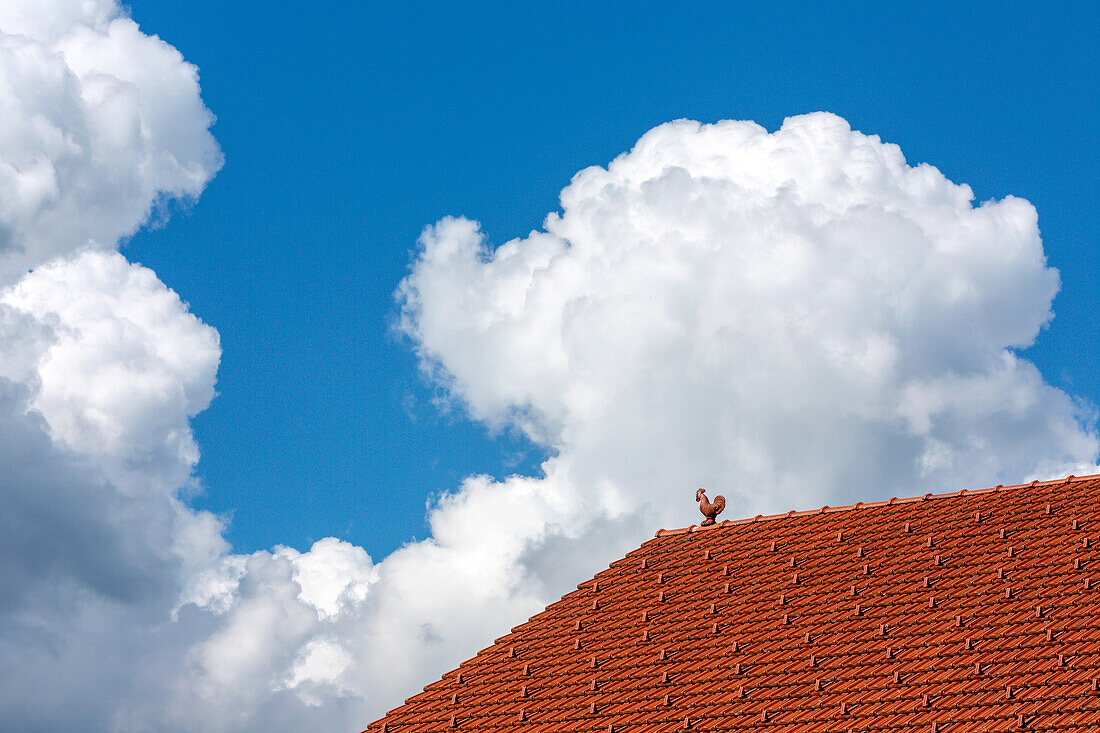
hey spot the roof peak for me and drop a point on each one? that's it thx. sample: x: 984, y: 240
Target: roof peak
x: 866, y: 504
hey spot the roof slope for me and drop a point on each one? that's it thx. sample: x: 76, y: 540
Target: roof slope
x: 978, y: 610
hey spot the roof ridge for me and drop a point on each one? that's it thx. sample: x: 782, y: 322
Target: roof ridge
x: 866, y: 504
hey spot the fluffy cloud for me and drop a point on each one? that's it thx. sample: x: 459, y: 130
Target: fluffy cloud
x: 102, y: 124
x: 793, y: 318
x: 801, y: 310
x: 101, y: 365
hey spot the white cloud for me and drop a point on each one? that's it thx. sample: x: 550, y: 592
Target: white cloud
x: 793, y: 318
x: 101, y: 124
x: 125, y: 368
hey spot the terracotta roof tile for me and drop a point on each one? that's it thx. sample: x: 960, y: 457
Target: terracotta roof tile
x: 974, y: 610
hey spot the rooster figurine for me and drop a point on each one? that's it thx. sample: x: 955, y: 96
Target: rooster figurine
x: 709, y: 510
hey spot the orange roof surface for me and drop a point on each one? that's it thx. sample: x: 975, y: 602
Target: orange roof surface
x: 971, y: 611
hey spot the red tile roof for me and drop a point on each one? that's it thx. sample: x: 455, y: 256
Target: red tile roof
x: 971, y: 611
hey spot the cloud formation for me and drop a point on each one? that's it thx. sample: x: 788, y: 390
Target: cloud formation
x: 102, y: 124
x: 792, y: 318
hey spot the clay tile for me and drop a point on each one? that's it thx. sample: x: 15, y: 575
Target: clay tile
x: 595, y: 663
x: 595, y: 604
x: 725, y: 570
x: 764, y: 715
x: 857, y: 611
x: 454, y: 722
x: 576, y: 643
x: 668, y: 701
x: 1086, y: 583
x: 1038, y: 611
x: 660, y: 596
x: 782, y: 599
x: 839, y: 536
x: 1047, y: 510
x: 660, y: 577
x: 897, y: 677
x: 1095, y: 685
x: 527, y: 669
x: 1008, y: 592
x: 523, y: 691
x: 1008, y: 691
x: 929, y: 540
x: 1075, y: 524
x: 866, y: 569
x: 852, y: 591
x: 591, y: 708
x: 773, y: 546
x: 706, y: 554
x: 977, y: 516
x: 645, y: 562
x: 794, y: 578
x: 454, y: 698
x: 687, y: 722
x: 908, y: 527
x: 806, y: 640
x: 522, y: 715
x: 714, y: 628
x: 958, y: 621
x: 576, y: 627
x: 512, y: 649
x: 733, y: 647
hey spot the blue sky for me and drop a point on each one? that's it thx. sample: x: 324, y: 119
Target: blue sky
x: 347, y: 129
x: 416, y: 430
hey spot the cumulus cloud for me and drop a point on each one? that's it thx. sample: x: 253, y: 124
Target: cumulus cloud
x: 101, y: 365
x: 792, y: 318
x: 102, y: 124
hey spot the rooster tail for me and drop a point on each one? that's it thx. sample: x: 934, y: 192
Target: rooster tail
x: 719, y: 504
